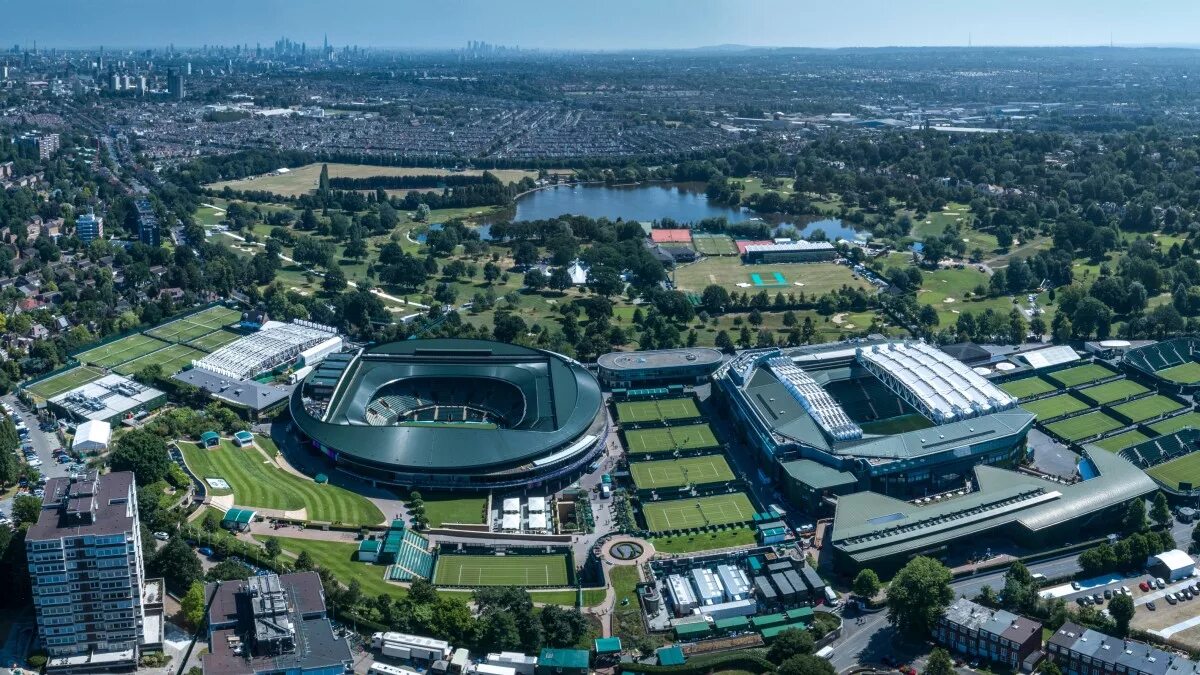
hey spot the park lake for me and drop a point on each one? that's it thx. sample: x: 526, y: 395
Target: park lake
x: 681, y: 202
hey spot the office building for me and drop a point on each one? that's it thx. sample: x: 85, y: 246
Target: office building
x: 95, y: 610
x: 43, y: 145
x: 148, y: 232
x: 272, y: 624
x: 175, y: 83
x: 994, y: 635
x: 89, y: 227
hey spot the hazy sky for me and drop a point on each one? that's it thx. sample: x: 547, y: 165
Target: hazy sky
x: 599, y: 24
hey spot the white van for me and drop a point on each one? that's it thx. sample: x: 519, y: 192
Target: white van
x: 831, y: 597
x: 825, y: 652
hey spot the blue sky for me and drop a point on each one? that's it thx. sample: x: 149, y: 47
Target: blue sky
x: 599, y: 24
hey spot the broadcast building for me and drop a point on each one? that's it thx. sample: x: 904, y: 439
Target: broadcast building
x: 899, y: 418
x: 453, y: 414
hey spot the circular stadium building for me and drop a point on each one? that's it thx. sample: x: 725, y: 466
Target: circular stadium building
x: 453, y: 414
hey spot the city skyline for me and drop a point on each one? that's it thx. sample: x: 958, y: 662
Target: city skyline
x: 620, y: 25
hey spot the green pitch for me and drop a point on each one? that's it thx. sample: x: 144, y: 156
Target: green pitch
x: 681, y: 472
x: 1026, y: 387
x: 713, y: 244
x: 1084, y: 426
x: 1121, y: 441
x: 1145, y: 408
x: 649, y: 411
x: 214, y: 340
x: 65, y: 381
x: 1173, y: 424
x: 1187, y: 373
x: 1184, y: 469
x: 667, y: 439
x: 257, y: 482
x: 1073, y: 377
x: 1054, y: 406
x: 687, y: 514
x: 172, y: 358
x: 496, y: 570
x: 120, y: 351
x: 1114, y: 391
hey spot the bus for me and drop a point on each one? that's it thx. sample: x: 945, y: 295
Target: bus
x: 384, y: 669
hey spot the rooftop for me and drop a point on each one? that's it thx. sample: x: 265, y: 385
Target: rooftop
x: 660, y: 358
x: 107, y: 397
x: 89, y: 505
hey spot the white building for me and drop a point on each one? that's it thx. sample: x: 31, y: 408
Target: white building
x: 92, y: 436
x: 1174, y: 564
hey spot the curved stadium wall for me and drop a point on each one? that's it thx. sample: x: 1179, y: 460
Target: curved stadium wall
x: 454, y: 414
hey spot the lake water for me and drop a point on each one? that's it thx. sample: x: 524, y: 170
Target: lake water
x: 682, y: 202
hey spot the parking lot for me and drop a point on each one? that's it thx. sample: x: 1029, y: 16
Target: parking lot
x: 36, y: 445
x: 1153, y: 611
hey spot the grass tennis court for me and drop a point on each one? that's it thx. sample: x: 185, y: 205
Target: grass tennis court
x: 172, y: 358
x: 681, y: 472
x: 1173, y: 424
x: 687, y: 514
x: 65, y: 381
x: 1145, y: 408
x: 1055, y: 406
x: 1084, y: 426
x: 649, y: 411
x: 1073, y: 377
x: 1114, y: 391
x: 1026, y: 387
x: 666, y: 439
x: 713, y: 244
x: 1121, y: 441
x: 496, y: 570
x: 1184, y: 469
x: 258, y: 482
x: 195, y: 325
x: 1187, y: 373
x: 214, y: 340
x: 121, y: 351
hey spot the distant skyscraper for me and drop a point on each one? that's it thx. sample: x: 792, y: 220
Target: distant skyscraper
x: 147, y: 223
x: 89, y: 227
x: 189, y: 68
x: 175, y: 84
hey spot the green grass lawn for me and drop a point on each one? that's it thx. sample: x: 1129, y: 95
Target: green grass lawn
x: 705, y: 541
x: 172, y: 358
x: 1026, y: 387
x: 685, y: 514
x: 1055, y: 406
x: 338, y: 557
x: 1145, y: 408
x: 257, y: 482
x: 65, y: 381
x: 1184, y: 469
x: 1173, y: 424
x: 667, y: 439
x: 680, y: 472
x: 952, y: 291
x: 591, y: 597
x: 496, y: 570
x: 120, y: 351
x: 728, y: 271
x: 1084, y: 426
x: 1114, y: 391
x: 1187, y: 373
x: 1073, y: 377
x: 714, y: 244
x: 1123, y: 440
x: 627, y: 611
x: 181, y: 330
x: 454, y: 507
x: 666, y: 409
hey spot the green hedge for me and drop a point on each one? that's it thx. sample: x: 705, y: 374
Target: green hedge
x: 707, y: 664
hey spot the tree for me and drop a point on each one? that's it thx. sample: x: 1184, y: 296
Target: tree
x: 25, y: 510
x: 939, y: 663
x: 562, y: 627
x: 1049, y: 667
x: 143, y: 453
x: 192, y: 606
x: 866, y: 584
x: 499, y: 630
x: 806, y: 664
x: 1135, y: 517
x: 917, y: 596
x: 323, y: 181
x: 178, y: 565
x: 228, y: 570
x: 273, y: 548
x: 560, y: 280
x: 304, y: 562
x: 335, y: 280
x: 1160, y: 512
x: 789, y: 643
x: 1121, y: 609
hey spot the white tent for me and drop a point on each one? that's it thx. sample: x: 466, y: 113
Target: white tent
x: 512, y: 505
x: 511, y: 522
x: 1174, y: 564
x: 92, y: 436
x: 537, y: 504
x: 537, y: 521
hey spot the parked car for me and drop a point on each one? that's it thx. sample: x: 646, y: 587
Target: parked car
x: 1075, y: 585
x: 1082, y: 600
x: 1125, y: 590
x: 161, y: 536
x: 1108, y: 594
x: 205, y: 551
x: 1180, y: 596
x: 1098, y: 599
x: 1152, y: 607
x: 1171, y: 600
x: 1161, y: 584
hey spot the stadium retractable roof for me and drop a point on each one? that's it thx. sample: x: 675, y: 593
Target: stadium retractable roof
x: 815, y: 400
x: 941, y: 387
